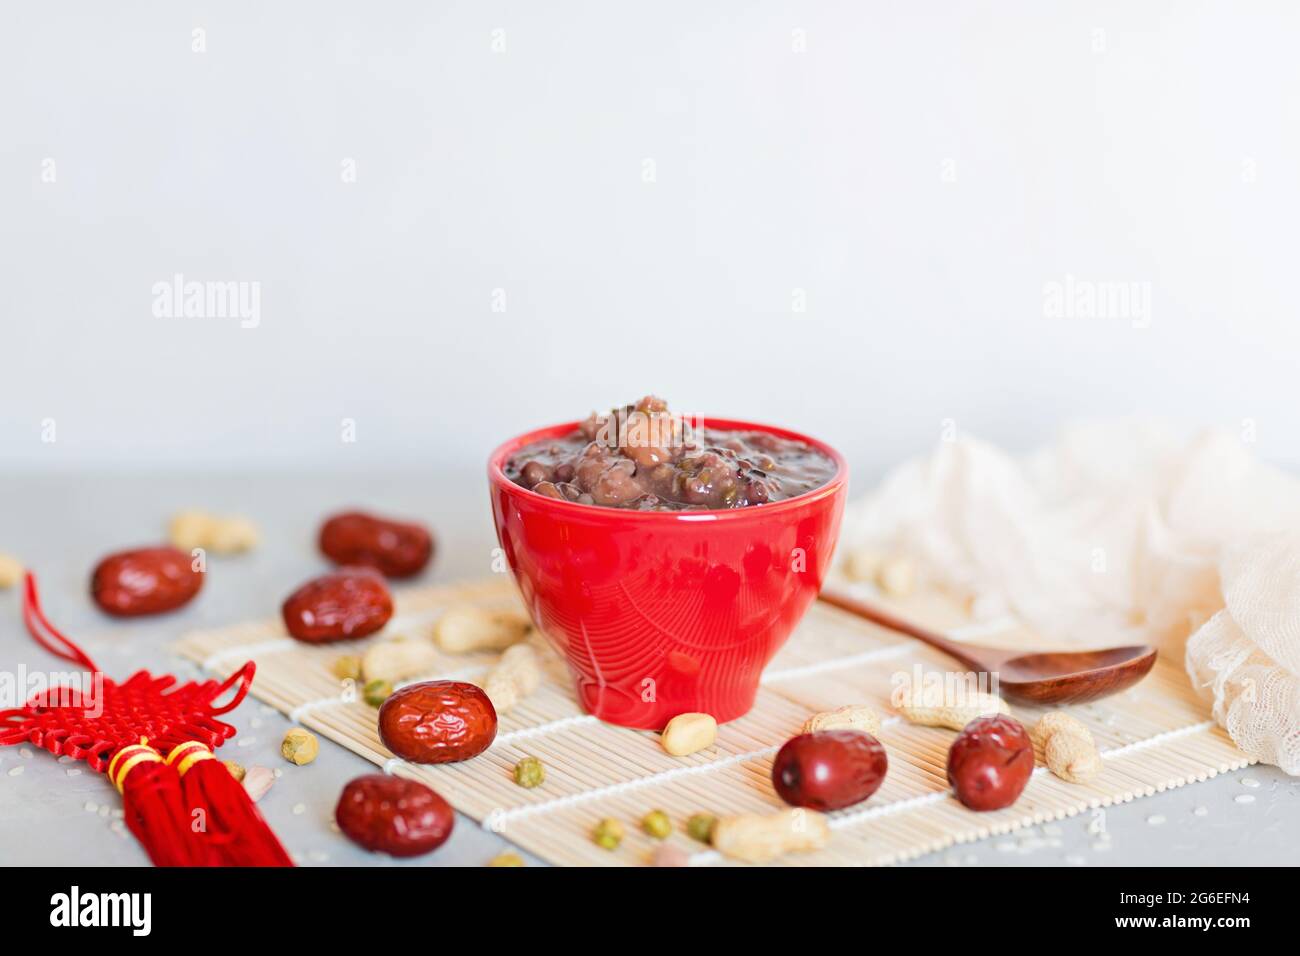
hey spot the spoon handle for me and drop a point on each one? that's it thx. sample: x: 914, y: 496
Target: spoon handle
x: 876, y: 615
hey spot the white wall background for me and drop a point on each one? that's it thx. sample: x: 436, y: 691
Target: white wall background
x: 1156, y: 142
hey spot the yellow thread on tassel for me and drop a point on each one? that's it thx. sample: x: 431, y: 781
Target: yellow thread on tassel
x: 127, y: 758
x: 188, y: 754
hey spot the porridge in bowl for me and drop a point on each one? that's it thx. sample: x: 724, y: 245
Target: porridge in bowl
x: 642, y: 457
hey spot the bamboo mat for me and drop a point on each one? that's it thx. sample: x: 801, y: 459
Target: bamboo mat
x: 1154, y: 737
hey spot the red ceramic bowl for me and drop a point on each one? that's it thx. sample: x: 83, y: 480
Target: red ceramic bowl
x: 658, y: 612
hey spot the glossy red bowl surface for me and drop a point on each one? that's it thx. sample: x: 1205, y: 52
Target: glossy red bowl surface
x: 660, y: 613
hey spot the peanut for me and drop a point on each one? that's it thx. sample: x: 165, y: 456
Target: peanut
x: 507, y: 859
x: 233, y: 535
x: 299, y: 746
x: 190, y: 529
x: 862, y: 565
x: 934, y: 709
x: 516, y: 675
x: 463, y: 629
x: 852, y: 717
x: 758, y: 838
x: 1067, y: 746
x: 220, y: 535
x: 689, y: 733
x: 257, y: 781
x: 396, y: 659
x: 11, y: 571
x: 236, y: 770
x: 896, y: 577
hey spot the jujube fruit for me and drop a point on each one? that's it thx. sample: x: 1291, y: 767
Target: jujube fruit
x: 990, y: 762
x: 829, y: 769
x: 145, y: 581
x: 438, y: 721
x: 396, y: 549
x: 344, y: 604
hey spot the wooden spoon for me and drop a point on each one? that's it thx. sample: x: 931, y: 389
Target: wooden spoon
x: 1050, y: 677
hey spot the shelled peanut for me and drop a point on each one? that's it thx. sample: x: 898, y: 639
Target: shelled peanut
x: 689, y: 733
x: 759, y: 838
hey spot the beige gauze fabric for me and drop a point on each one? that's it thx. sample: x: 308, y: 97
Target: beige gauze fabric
x: 1119, y: 532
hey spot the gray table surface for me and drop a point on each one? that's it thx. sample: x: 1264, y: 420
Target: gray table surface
x: 52, y: 814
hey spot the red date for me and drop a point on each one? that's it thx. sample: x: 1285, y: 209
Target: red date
x: 438, y: 721
x: 145, y: 581
x: 348, y: 603
x: 394, y: 548
x: 990, y: 762
x: 830, y: 769
x: 395, y: 816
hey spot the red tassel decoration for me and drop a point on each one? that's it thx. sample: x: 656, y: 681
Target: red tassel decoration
x: 108, y: 725
x: 226, y: 820
x: 155, y: 810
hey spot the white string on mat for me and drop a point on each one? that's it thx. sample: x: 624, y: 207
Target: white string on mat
x: 277, y: 644
x: 549, y: 727
x: 791, y: 673
x: 552, y: 726
x: 248, y: 650
x: 885, y: 653
x: 839, y: 663
x: 624, y: 786
x: 308, y: 706
x: 1159, y: 738
x: 524, y: 732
